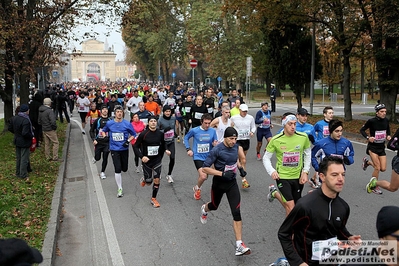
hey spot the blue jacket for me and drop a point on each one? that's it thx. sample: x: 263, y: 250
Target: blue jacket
x: 321, y: 130
x: 328, y: 146
x: 308, y: 129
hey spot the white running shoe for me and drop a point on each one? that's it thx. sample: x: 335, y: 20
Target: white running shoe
x: 204, y: 215
x: 169, y: 178
x: 94, y: 160
x: 137, y: 170
x: 243, y: 250
x: 102, y: 175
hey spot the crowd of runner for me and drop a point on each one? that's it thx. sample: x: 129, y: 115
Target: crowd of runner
x: 221, y: 128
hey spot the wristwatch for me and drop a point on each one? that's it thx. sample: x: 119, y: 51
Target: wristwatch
x: 307, y: 172
x: 188, y: 149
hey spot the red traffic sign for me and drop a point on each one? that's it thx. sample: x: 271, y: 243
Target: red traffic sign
x: 193, y: 63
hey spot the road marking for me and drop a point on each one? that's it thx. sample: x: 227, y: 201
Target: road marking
x: 112, y: 241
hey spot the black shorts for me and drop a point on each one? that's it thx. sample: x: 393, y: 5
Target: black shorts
x: 83, y: 116
x: 395, y: 164
x: 379, y: 150
x: 120, y: 160
x: 151, y: 172
x: 263, y: 132
x: 99, y: 149
x: 244, y: 143
x: 198, y: 164
x: 290, y: 189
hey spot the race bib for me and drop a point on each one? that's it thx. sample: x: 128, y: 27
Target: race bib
x: 71, y: 97
x: 326, y: 132
x: 323, y: 249
x: 188, y: 109
x: 118, y: 137
x: 380, y: 136
x: 291, y: 159
x: 152, y: 150
x: 198, y: 115
x: 81, y: 107
x: 144, y: 120
x: 102, y: 134
x: 210, y: 110
x: 243, y: 133
x: 230, y: 168
x: 177, y: 113
x: 337, y: 155
x: 169, y: 135
x: 203, y: 148
x: 266, y: 123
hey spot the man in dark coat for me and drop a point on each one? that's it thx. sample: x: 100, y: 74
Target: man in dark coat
x: 21, y: 127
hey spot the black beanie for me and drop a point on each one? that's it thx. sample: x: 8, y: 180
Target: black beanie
x: 387, y: 221
x: 166, y: 107
x: 333, y: 124
x: 230, y: 132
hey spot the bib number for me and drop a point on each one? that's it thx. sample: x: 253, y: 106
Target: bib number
x: 243, y: 133
x: 198, y: 115
x: 168, y: 135
x: 118, y: 137
x: 323, y: 249
x: 380, y: 136
x: 291, y: 159
x: 152, y: 150
x: 203, y: 148
x: 326, y: 132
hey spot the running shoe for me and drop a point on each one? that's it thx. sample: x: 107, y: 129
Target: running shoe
x: 169, y: 178
x: 197, y: 192
x: 142, y: 181
x: 243, y: 250
x: 137, y: 170
x: 258, y: 157
x: 314, y: 183
x: 245, y: 184
x: 204, y: 215
x: 103, y: 176
x: 178, y: 139
x: 155, y: 203
x: 271, y: 196
x: 377, y: 191
x: 365, y: 163
x: 371, y: 185
x: 94, y: 160
x: 84, y: 133
x: 120, y: 193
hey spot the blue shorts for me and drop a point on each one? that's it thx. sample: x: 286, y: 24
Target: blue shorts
x: 263, y: 132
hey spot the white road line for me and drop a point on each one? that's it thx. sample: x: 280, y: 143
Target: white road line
x: 112, y: 241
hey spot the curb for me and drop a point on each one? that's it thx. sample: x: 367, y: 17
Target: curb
x: 50, y: 239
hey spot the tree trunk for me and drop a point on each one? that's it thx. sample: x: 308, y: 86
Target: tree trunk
x: 23, y: 88
x: 298, y: 97
x: 346, y: 86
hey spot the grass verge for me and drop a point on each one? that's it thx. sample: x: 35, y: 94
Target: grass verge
x: 25, y: 205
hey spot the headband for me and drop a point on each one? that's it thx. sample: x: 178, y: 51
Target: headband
x: 287, y: 119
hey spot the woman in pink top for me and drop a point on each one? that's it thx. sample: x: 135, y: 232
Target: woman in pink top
x: 139, y: 127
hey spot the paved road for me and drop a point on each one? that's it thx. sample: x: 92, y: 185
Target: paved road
x: 100, y: 229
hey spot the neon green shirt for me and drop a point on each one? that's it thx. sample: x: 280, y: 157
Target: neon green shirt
x: 289, y: 153
x: 234, y: 111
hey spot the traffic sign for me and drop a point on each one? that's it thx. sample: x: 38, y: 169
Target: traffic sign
x: 160, y: 77
x: 173, y: 75
x: 219, y: 79
x: 193, y: 63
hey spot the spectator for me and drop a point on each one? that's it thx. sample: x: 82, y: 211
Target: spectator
x: 21, y: 126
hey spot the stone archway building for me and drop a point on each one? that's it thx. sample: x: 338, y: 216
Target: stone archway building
x: 94, y: 62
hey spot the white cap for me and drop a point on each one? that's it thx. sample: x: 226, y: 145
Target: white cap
x: 243, y: 107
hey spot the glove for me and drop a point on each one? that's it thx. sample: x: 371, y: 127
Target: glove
x: 311, y: 138
x: 243, y: 173
x: 126, y: 144
x: 134, y: 105
x: 228, y: 174
x: 346, y: 160
x: 167, y: 129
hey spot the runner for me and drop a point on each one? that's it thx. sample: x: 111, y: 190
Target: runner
x: 245, y: 126
x: 204, y: 140
x: 100, y: 142
x: 196, y: 112
x: 83, y: 103
x: 263, y: 120
x: 293, y: 163
x: 150, y: 147
x: 133, y: 103
x: 319, y: 216
x: 120, y: 134
x: 392, y: 186
x: 93, y: 113
x: 138, y: 126
x: 152, y: 106
x: 321, y: 127
x: 303, y: 126
x: 143, y: 113
x: 334, y: 145
x: 209, y: 101
x: 187, y: 104
x: 166, y: 124
x: 380, y: 131
x: 179, y: 113
x: 221, y: 123
x: 224, y: 157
